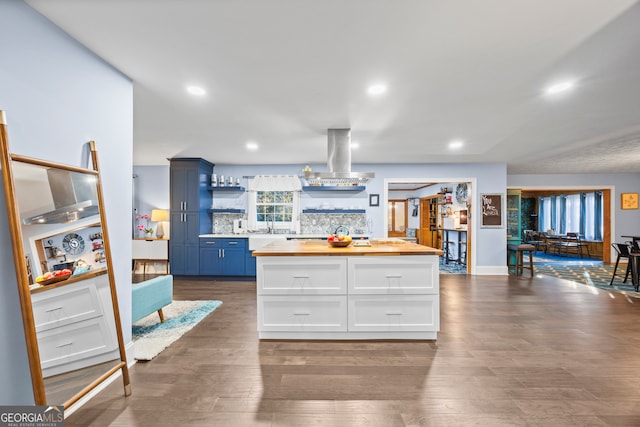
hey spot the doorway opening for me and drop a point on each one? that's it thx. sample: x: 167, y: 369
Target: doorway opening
x: 435, y: 213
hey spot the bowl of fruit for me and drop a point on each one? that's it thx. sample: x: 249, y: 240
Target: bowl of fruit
x: 53, y: 277
x: 339, y: 240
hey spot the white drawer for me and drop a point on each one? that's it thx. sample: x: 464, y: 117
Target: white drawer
x: 302, y: 313
x: 394, y: 313
x: 74, y: 342
x: 65, y: 305
x: 394, y: 275
x: 301, y: 276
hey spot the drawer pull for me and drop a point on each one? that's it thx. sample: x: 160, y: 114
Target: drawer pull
x: 65, y: 345
x: 301, y: 277
x: 233, y: 243
x: 209, y: 243
x: 394, y: 276
x: 54, y: 309
x: 394, y: 313
x: 301, y: 313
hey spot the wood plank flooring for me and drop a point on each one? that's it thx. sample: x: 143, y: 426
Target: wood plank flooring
x: 511, y: 352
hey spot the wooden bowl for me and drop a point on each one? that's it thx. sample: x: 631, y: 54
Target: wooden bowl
x: 339, y: 244
x: 54, y: 280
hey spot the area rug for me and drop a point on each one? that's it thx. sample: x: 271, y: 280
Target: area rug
x: 150, y: 336
x: 590, y: 274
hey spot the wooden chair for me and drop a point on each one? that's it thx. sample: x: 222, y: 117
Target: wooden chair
x: 537, y: 239
x: 622, y: 249
x: 572, y: 244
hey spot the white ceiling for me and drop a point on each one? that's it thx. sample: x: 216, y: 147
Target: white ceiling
x: 281, y: 72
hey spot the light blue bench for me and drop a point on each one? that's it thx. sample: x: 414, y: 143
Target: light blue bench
x: 151, y: 295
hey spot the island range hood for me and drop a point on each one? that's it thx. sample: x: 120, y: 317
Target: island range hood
x: 338, y: 162
x: 74, y: 197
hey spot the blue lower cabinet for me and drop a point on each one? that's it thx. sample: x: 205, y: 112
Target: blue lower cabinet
x: 250, y: 264
x: 222, y: 257
x: 184, y: 260
x: 210, y: 261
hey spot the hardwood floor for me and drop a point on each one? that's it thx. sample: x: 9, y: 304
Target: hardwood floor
x: 511, y: 352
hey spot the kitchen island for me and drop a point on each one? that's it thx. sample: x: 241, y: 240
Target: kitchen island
x: 307, y: 289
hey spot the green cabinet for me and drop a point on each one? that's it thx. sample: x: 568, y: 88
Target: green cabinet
x: 514, y: 230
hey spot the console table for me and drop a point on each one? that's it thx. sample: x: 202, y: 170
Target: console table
x: 152, y: 250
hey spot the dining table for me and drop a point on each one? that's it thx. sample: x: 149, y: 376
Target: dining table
x: 634, y: 259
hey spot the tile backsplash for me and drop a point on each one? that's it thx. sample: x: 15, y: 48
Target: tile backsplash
x: 310, y: 223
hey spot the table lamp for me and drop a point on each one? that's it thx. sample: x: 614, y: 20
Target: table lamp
x: 159, y: 216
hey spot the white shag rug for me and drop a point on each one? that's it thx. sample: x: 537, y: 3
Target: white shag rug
x: 150, y: 336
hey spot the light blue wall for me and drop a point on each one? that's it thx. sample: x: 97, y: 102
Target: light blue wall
x: 150, y: 190
x: 489, y: 253
x: 623, y: 222
x: 57, y: 96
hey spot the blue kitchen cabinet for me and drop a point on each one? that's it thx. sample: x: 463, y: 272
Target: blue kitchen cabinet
x: 222, y: 257
x: 190, y: 199
x: 249, y: 263
x: 210, y: 261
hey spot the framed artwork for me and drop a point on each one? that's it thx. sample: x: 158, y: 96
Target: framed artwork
x: 491, y: 205
x: 629, y: 201
x: 374, y: 200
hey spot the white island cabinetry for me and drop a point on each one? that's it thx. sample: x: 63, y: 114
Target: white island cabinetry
x: 347, y: 297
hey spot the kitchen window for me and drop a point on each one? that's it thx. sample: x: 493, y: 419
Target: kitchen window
x: 274, y: 202
x: 274, y: 206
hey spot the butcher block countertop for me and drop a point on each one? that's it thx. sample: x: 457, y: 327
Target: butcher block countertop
x: 322, y: 248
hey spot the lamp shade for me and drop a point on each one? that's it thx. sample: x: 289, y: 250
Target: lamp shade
x: 159, y: 215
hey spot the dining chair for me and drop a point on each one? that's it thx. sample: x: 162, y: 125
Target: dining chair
x: 622, y: 249
x: 574, y: 244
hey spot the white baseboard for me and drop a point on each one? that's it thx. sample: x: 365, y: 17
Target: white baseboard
x: 496, y: 270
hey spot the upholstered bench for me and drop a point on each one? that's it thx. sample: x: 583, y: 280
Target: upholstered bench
x: 519, y: 252
x: 151, y: 295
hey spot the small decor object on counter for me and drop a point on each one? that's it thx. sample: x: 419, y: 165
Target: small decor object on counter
x: 53, y: 277
x: 339, y: 240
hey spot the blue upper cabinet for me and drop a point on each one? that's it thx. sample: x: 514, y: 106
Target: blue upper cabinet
x: 190, y: 199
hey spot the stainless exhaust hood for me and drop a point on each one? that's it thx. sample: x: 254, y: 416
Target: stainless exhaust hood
x: 338, y: 162
x: 74, y: 198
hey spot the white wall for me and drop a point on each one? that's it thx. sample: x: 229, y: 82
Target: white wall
x: 57, y: 96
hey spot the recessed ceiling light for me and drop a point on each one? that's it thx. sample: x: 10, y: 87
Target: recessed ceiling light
x: 196, y: 91
x: 456, y: 144
x: 253, y: 146
x: 559, y: 87
x: 377, y: 89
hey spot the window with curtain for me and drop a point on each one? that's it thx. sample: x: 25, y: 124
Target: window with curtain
x: 580, y: 213
x: 274, y: 201
x: 274, y: 206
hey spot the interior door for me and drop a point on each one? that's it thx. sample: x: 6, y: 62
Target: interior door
x: 397, y: 218
x: 424, y: 234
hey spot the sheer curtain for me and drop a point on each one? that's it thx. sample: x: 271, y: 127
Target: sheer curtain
x: 572, y: 214
x: 580, y: 213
